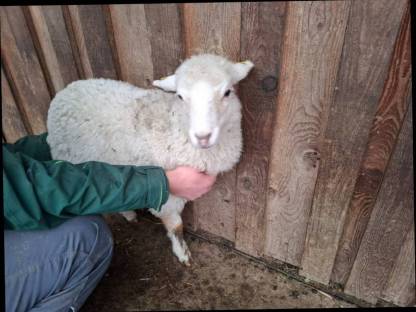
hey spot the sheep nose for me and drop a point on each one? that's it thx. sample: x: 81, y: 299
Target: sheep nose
x: 203, y: 137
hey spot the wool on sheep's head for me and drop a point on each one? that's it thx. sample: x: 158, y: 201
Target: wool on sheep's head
x: 205, y: 83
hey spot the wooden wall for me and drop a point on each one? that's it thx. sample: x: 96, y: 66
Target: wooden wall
x: 325, y: 182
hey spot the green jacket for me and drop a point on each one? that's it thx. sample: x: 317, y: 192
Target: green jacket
x: 39, y: 193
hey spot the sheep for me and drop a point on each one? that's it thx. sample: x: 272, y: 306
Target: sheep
x: 118, y: 123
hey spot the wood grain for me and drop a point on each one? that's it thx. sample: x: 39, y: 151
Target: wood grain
x: 11, y: 120
x: 389, y: 117
x: 391, y: 220
x: 368, y: 46
x: 54, y: 49
x: 132, y: 39
x: 212, y: 28
x: 22, y: 67
x: 88, y: 29
x: 164, y: 26
x: 400, y: 287
x: 215, y: 28
x: 312, y: 44
x: 262, y: 33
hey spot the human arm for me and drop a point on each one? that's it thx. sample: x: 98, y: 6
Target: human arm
x: 40, y: 192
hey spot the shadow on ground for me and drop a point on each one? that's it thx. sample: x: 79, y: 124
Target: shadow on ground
x: 144, y: 275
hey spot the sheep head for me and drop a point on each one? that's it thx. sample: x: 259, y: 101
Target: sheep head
x: 205, y: 84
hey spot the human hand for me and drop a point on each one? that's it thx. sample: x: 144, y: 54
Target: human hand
x: 188, y: 182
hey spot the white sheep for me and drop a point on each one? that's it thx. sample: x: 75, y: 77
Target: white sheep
x: 118, y: 123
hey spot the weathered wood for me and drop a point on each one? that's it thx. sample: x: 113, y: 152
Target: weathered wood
x: 23, y: 69
x: 11, y: 121
x: 54, y: 49
x: 132, y: 39
x: 88, y: 28
x: 389, y: 223
x: 262, y: 26
x: 389, y: 117
x: 312, y: 47
x: 400, y: 288
x: 164, y: 26
x: 369, y: 41
x: 212, y: 28
x: 215, y: 28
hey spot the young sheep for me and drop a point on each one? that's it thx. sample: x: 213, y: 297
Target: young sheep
x: 118, y: 123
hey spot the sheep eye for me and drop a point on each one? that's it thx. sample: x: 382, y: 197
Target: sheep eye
x: 180, y: 96
x: 227, y: 93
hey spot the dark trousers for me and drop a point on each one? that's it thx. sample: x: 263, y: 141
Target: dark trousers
x: 57, y: 269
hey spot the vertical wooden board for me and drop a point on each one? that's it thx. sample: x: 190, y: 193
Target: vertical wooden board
x: 313, y: 39
x: 88, y: 27
x: 132, y: 40
x: 368, y: 46
x: 11, y: 121
x: 261, y: 37
x: 50, y: 33
x: 215, y: 28
x: 389, y: 117
x: 400, y: 288
x: 22, y: 66
x: 390, y: 221
x: 164, y: 26
x: 212, y: 28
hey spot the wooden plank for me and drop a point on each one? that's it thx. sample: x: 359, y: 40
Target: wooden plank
x: 88, y: 28
x: 132, y: 40
x: 389, y: 223
x: 50, y: 34
x: 11, y: 121
x: 389, y: 117
x: 368, y: 46
x: 215, y: 28
x: 23, y: 69
x: 164, y: 26
x: 312, y: 46
x: 400, y: 288
x: 262, y: 26
x: 212, y: 28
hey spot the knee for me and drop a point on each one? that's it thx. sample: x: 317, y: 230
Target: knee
x: 91, y: 235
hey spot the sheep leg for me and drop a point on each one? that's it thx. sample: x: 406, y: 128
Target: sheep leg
x: 130, y: 216
x: 174, y: 226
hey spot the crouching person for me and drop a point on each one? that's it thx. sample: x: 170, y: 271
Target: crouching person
x: 57, y: 246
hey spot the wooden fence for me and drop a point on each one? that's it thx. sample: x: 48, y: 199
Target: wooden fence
x: 325, y: 183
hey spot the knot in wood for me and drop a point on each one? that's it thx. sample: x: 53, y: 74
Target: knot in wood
x: 269, y: 83
x: 311, y: 157
x: 247, y: 183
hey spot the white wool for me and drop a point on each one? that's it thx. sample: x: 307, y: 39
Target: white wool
x: 118, y: 123
x: 114, y: 122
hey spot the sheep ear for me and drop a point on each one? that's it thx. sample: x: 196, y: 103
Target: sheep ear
x: 166, y: 83
x: 241, y: 70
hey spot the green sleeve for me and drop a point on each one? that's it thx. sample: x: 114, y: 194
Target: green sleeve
x: 34, y: 146
x: 40, y: 194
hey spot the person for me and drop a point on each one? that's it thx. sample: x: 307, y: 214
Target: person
x: 57, y: 246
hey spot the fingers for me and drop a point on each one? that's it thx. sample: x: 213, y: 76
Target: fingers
x: 188, y: 182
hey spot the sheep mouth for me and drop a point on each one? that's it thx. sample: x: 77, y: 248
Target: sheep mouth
x: 205, y: 146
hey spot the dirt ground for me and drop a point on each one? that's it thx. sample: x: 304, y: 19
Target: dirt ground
x: 145, y: 275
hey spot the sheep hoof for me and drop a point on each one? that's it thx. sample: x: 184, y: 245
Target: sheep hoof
x: 185, y: 262
x: 130, y: 216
